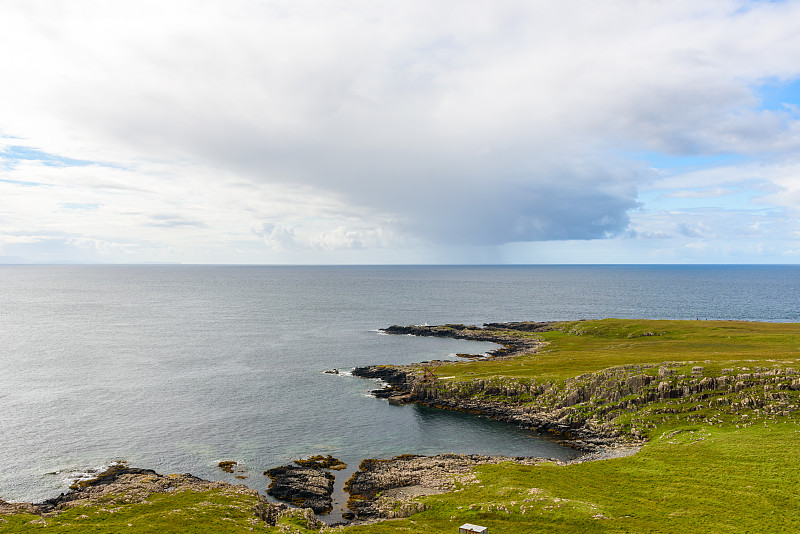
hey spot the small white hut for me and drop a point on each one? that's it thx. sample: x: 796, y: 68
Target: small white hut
x: 467, y: 528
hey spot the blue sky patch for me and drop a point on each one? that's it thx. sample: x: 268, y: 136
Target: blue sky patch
x: 14, y: 154
x: 776, y: 94
x: 22, y: 183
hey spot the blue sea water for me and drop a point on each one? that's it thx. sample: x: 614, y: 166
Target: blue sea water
x: 176, y: 368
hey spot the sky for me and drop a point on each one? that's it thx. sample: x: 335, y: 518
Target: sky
x: 399, y: 131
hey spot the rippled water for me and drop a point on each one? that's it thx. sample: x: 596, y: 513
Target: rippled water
x: 175, y: 368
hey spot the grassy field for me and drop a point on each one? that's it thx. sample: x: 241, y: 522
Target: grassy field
x: 710, y: 465
x: 697, y: 480
x: 588, y: 346
x: 187, y: 511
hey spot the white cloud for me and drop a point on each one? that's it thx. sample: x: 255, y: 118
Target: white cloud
x: 362, y: 125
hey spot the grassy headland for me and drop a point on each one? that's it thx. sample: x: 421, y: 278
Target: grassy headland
x: 717, y: 403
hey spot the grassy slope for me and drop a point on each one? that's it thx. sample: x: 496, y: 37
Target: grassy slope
x: 691, y: 477
x: 700, y: 480
x: 212, y: 511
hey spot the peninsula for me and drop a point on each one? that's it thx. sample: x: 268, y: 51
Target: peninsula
x: 712, y: 407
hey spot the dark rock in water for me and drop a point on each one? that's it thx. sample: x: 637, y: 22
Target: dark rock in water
x: 322, y: 462
x: 399, y: 400
x: 227, y: 465
x: 524, y: 326
x: 388, y: 373
x: 307, y: 487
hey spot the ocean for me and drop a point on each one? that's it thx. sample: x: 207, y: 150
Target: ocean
x: 176, y: 368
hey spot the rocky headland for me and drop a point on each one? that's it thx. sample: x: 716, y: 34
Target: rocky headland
x: 584, y: 411
x: 409, y: 383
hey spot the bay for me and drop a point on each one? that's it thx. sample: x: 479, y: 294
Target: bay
x: 175, y: 368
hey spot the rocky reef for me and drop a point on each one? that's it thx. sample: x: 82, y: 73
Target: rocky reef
x: 322, y: 462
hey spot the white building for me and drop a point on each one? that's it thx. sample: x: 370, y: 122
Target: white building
x: 467, y: 528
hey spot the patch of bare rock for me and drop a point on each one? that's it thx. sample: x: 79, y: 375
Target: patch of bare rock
x: 385, y: 489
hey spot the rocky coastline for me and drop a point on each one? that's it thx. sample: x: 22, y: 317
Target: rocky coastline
x: 407, y: 383
x: 380, y: 489
x: 121, y: 485
x: 585, y: 412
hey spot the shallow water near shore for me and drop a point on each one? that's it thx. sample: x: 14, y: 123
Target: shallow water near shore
x: 175, y: 368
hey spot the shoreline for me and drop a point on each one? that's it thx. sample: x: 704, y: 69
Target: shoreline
x: 408, y: 384
x: 379, y: 488
x: 699, y: 409
x: 372, y: 494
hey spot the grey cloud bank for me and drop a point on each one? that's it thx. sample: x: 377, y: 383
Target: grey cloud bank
x: 284, y: 126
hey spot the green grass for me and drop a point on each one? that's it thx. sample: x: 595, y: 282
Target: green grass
x: 589, y: 346
x: 706, y: 468
x: 702, y: 479
x: 184, y: 511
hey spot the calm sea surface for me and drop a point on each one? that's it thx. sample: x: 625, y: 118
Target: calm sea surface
x: 175, y: 368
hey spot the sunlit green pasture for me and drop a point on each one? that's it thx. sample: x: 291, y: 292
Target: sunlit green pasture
x: 588, y: 346
x: 701, y: 479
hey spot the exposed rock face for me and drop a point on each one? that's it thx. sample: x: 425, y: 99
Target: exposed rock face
x: 383, y: 489
x: 399, y: 381
x: 309, y: 487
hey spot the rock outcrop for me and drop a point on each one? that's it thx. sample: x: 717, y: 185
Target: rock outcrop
x: 121, y: 485
x: 308, y: 487
x: 385, y: 489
